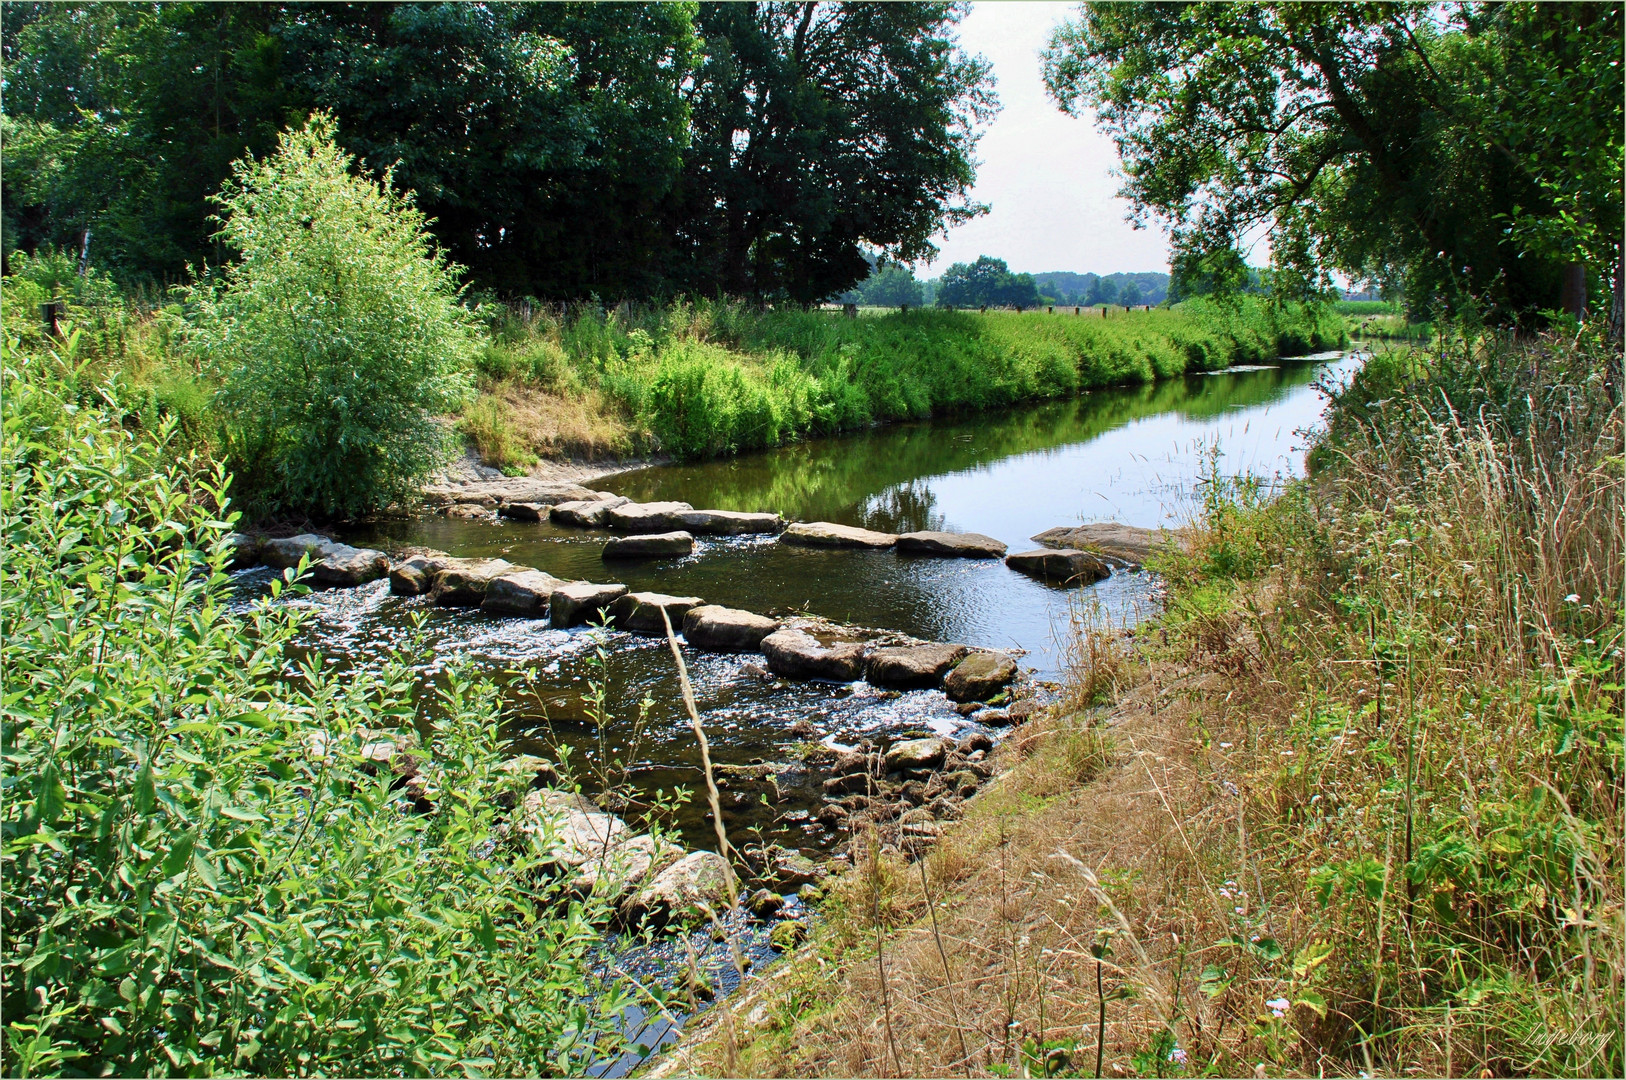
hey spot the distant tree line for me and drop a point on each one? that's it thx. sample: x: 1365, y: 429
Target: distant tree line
x: 988, y: 282
x: 561, y: 150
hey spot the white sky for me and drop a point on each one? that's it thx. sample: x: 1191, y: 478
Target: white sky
x: 1048, y: 178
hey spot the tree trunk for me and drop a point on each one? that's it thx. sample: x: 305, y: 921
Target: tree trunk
x: 1572, y: 293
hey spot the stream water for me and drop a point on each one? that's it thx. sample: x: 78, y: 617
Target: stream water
x: 1130, y: 455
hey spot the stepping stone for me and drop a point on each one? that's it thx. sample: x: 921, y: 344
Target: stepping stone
x: 979, y: 676
x: 913, y: 667
x: 797, y: 654
x: 524, y: 511
x: 515, y: 489
x: 463, y: 582
x: 525, y: 593
x: 951, y: 545
x: 830, y: 535
x: 287, y: 551
x: 640, y: 612
x: 344, y: 566
x: 916, y: 754
x: 580, y: 602
x: 722, y: 629
x: 1125, y: 543
x: 415, y: 575
x: 649, y: 546
x: 729, y: 522
x: 585, y: 514
x: 655, y: 517
x: 1061, y: 565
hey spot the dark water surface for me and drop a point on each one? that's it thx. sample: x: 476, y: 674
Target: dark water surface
x: 1128, y: 455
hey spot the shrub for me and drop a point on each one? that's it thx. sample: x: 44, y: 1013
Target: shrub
x: 201, y: 876
x: 337, y: 334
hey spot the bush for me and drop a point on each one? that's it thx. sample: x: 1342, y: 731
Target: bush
x: 201, y: 876
x: 337, y: 334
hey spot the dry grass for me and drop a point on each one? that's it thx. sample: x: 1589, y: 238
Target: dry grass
x: 1355, y: 805
x: 513, y: 424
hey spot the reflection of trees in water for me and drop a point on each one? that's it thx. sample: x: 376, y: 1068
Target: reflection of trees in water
x: 902, y: 508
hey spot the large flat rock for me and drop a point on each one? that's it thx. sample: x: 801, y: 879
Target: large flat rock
x: 580, y: 602
x: 463, y: 582
x: 585, y: 514
x: 913, y: 667
x: 518, y: 489
x: 830, y: 535
x: 649, y: 546
x: 640, y: 612
x: 343, y: 566
x: 723, y: 629
x: 951, y: 545
x: 524, y: 593
x: 979, y: 676
x: 796, y: 654
x: 729, y: 522
x: 287, y: 551
x: 655, y: 517
x: 1059, y: 566
x: 1125, y: 542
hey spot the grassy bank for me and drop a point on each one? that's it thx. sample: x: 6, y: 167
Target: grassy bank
x: 1352, y: 805
x: 1380, y: 320
x: 704, y: 379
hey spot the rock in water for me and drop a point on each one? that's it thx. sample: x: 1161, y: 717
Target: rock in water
x: 722, y: 629
x: 289, y: 550
x: 622, y: 866
x: 1064, y: 566
x: 525, y: 593
x: 585, y: 514
x: 568, y: 829
x: 580, y: 602
x: 729, y: 522
x: 1126, y: 543
x: 524, y: 511
x: 765, y: 905
x: 655, y: 517
x: 491, y: 494
x: 951, y: 545
x: 676, y: 893
x: 787, y: 935
x: 797, y: 654
x: 912, y: 667
x: 640, y: 612
x: 792, y: 870
x: 244, y: 550
x: 344, y: 566
x: 979, y: 676
x: 649, y: 546
x: 413, y: 576
x: 916, y: 754
x: 828, y: 534
x: 463, y: 582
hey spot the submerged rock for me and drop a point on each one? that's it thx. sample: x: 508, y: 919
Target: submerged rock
x: 580, y: 602
x: 655, y: 517
x: 797, y: 654
x: 585, y: 514
x: 979, y: 676
x: 649, y: 546
x: 677, y: 892
x: 722, y: 629
x: 728, y: 522
x: 951, y: 545
x: 640, y: 612
x: 463, y: 582
x: 831, y: 535
x: 1061, y: 565
x: 909, y: 667
x: 524, y: 593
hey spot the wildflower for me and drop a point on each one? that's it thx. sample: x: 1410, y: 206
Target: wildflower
x: 1573, y: 598
x: 1237, y: 910
x: 1277, y: 1007
x: 1178, y: 1056
x: 1225, y: 746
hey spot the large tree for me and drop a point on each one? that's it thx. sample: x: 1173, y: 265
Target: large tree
x: 1467, y: 154
x: 988, y: 282
x: 820, y: 128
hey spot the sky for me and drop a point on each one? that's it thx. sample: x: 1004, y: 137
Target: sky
x: 1047, y: 177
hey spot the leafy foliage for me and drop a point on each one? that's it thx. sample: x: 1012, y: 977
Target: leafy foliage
x: 337, y: 333
x: 202, y: 875
x: 1462, y: 155
x: 988, y: 282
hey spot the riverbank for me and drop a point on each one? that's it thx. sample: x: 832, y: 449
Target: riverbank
x: 1352, y: 803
